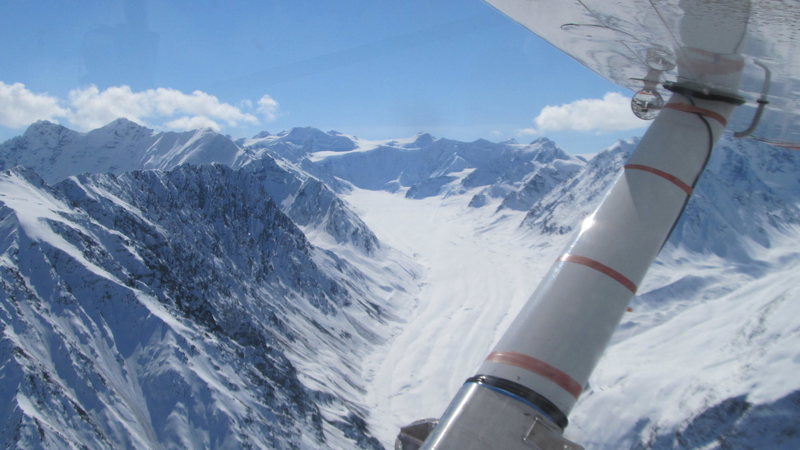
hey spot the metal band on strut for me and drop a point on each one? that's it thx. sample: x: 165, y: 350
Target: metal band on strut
x: 518, y: 391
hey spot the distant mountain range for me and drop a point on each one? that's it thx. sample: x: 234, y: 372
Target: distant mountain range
x: 189, y: 290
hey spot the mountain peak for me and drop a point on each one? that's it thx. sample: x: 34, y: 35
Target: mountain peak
x: 542, y: 141
x: 123, y: 124
x: 482, y: 141
x: 301, y: 133
x: 547, y: 151
x: 317, y: 140
x: 45, y: 127
x: 56, y: 152
x: 622, y: 146
x: 423, y: 139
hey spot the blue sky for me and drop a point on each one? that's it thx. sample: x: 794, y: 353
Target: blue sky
x: 375, y: 69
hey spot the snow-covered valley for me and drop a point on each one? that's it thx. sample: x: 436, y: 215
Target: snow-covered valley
x: 320, y: 291
x: 702, y: 334
x: 478, y: 272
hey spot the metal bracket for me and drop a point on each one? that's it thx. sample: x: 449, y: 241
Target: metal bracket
x: 762, y: 102
x: 413, y: 435
x: 704, y: 92
x: 544, y: 436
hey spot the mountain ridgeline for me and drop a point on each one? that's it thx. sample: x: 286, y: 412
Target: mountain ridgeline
x: 186, y: 307
x: 163, y: 308
x: 748, y: 188
x: 164, y: 290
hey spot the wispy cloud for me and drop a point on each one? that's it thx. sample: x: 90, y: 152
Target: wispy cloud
x: 268, y: 107
x: 89, y: 107
x: 610, y: 113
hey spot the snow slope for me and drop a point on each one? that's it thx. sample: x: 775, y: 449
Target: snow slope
x: 706, y: 360
x: 479, y: 272
x: 56, y: 152
x: 181, y: 310
x: 718, y: 371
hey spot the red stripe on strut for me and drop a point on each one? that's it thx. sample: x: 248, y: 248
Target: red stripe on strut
x: 602, y: 268
x: 538, y: 367
x: 667, y: 176
x: 685, y: 107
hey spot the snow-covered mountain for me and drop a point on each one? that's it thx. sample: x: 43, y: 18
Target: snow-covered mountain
x: 706, y: 360
x: 748, y: 191
x: 55, y: 153
x: 731, y: 256
x: 565, y: 205
x: 271, y: 308
x: 326, y: 219
x: 180, y: 309
x: 425, y: 166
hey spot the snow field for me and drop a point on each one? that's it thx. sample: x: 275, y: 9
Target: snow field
x: 704, y: 329
x: 478, y: 271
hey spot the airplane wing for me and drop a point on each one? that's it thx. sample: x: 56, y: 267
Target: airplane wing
x: 631, y: 42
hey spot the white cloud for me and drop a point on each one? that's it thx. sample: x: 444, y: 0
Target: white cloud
x: 192, y: 123
x: 611, y: 113
x: 88, y: 108
x: 92, y: 108
x: 20, y: 107
x: 268, y: 107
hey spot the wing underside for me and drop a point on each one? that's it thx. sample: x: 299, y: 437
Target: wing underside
x: 636, y: 43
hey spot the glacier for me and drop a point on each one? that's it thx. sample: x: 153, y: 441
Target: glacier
x: 312, y: 289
